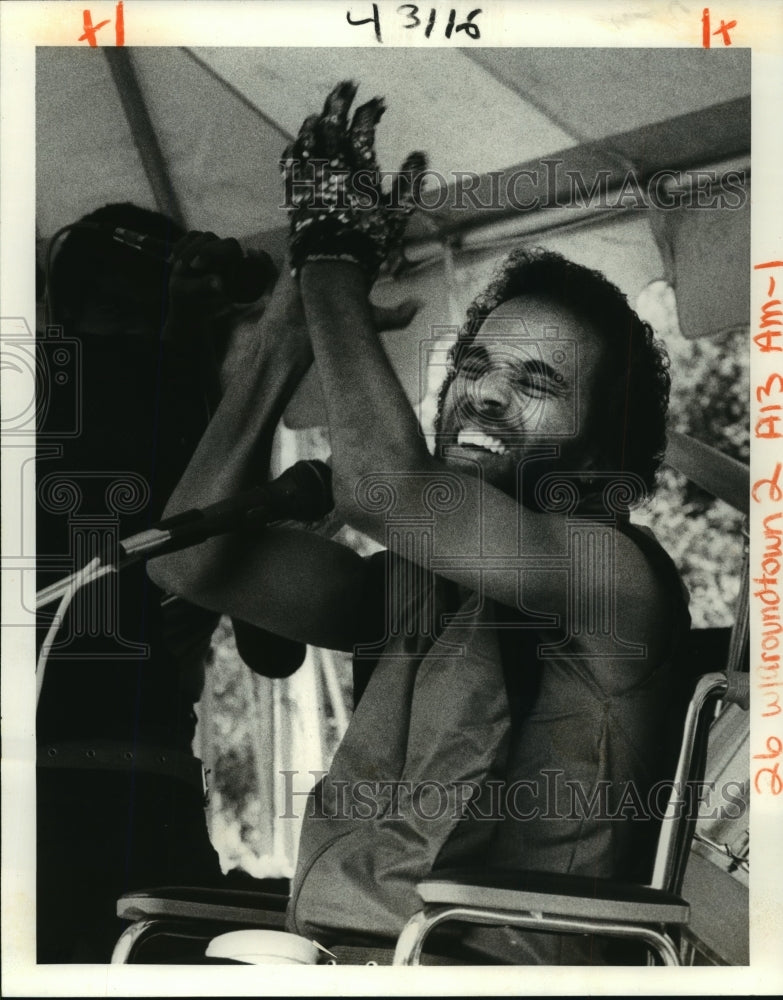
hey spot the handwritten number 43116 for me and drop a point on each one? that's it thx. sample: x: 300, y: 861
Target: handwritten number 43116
x: 410, y: 12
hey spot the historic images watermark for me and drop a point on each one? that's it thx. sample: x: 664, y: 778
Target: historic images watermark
x: 548, y: 185
x: 550, y: 796
x: 46, y: 412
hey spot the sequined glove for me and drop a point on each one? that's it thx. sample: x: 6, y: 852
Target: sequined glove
x: 333, y: 192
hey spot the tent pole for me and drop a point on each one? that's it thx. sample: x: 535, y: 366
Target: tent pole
x: 143, y: 132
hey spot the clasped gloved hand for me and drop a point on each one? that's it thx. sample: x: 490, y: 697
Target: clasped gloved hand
x: 333, y: 191
x: 210, y: 274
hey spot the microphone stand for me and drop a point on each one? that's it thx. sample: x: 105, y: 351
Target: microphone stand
x: 301, y: 493
x: 174, y: 533
x: 144, y: 545
x: 140, y: 546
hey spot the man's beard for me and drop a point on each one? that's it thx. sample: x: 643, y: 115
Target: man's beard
x: 523, y: 484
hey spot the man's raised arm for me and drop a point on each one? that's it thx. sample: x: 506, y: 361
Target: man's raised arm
x: 290, y: 582
x: 337, y: 245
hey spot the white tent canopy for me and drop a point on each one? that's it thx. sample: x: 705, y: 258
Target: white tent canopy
x: 198, y: 133
x: 223, y: 115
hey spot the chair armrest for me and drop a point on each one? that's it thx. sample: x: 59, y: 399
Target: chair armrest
x: 553, y: 894
x: 235, y: 906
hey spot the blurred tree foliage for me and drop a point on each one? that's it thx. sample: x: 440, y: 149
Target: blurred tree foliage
x: 232, y: 722
x: 709, y: 401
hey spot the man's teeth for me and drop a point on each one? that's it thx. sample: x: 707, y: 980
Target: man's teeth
x: 478, y: 439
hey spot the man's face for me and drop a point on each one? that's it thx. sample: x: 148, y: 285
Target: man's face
x: 527, y: 379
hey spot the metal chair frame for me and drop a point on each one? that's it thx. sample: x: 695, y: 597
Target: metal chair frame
x: 195, y: 913
x: 560, y: 905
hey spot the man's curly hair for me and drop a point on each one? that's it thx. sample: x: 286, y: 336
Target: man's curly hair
x: 627, y: 431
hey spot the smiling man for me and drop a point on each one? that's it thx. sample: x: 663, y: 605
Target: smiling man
x: 514, y: 389
x: 515, y: 643
x: 551, y: 354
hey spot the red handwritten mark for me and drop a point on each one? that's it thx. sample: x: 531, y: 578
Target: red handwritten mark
x: 766, y: 426
x: 723, y: 29
x: 775, y: 786
x: 771, y: 323
x: 774, y: 746
x: 774, y: 491
x: 90, y: 30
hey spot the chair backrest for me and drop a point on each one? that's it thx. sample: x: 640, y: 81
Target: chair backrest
x: 728, y: 480
x: 679, y: 822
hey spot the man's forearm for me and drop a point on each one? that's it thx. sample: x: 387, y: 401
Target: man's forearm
x: 372, y: 425
x: 234, y: 452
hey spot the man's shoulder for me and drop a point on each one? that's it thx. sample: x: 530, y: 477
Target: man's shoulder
x: 646, y: 594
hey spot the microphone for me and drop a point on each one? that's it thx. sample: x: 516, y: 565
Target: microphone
x: 302, y: 493
x: 247, y: 280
